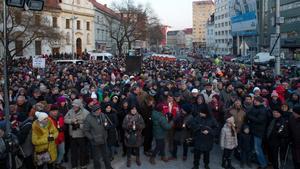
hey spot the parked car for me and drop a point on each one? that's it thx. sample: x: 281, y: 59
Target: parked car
x: 104, y: 56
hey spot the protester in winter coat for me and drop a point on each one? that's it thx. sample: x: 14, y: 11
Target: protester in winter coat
x: 95, y: 129
x: 75, y: 118
x: 245, y: 146
x: 275, y: 102
x: 226, y: 96
x: 121, y: 115
x: 44, y: 134
x: 146, y: 112
x: 112, y: 138
x: 181, y: 133
x: 228, y: 141
x: 216, y: 109
x: 294, y: 128
x: 58, y: 121
x: 294, y: 100
x: 204, y: 128
x: 160, y: 129
x: 25, y: 141
x: 208, y: 93
x: 238, y: 114
x: 248, y: 103
x: 133, y: 125
x: 277, y: 135
x: 258, y: 120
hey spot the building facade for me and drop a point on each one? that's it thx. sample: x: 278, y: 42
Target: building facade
x: 103, y: 16
x: 210, y: 36
x: 201, y: 12
x: 290, y: 29
x: 188, y: 33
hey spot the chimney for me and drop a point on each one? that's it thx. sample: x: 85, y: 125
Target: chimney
x: 105, y: 5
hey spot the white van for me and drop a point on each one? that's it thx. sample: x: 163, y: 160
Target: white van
x: 100, y: 56
x: 77, y: 62
x: 263, y: 57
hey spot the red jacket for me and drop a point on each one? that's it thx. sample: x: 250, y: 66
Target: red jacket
x: 174, y: 110
x: 59, y: 124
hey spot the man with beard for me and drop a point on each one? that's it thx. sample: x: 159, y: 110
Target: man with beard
x: 248, y: 103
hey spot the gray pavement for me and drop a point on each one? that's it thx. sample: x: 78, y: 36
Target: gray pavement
x: 215, y: 162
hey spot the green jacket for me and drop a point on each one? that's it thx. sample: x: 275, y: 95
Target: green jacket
x: 160, y: 125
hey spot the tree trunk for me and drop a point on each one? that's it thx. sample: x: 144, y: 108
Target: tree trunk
x: 120, y: 49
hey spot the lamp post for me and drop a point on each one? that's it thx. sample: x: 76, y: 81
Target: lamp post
x: 35, y: 5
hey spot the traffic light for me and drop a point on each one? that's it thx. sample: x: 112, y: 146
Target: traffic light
x: 35, y: 5
x: 16, y: 3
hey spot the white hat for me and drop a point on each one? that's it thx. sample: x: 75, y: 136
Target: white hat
x: 255, y: 89
x: 94, y: 96
x: 131, y: 77
x: 41, y: 115
x: 195, y: 91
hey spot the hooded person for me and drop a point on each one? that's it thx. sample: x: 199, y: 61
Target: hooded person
x: 204, y: 128
x: 44, y: 134
x: 95, y: 129
x: 228, y: 141
x: 75, y: 118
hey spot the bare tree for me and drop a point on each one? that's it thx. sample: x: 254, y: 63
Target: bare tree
x: 155, y: 34
x: 133, y: 20
x: 27, y: 26
x: 116, y: 31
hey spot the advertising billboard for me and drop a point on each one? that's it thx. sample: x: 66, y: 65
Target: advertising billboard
x: 243, y: 17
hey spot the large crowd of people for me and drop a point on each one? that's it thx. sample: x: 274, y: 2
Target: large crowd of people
x: 81, y: 113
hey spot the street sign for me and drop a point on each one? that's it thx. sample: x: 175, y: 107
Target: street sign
x: 39, y: 63
x: 275, y: 47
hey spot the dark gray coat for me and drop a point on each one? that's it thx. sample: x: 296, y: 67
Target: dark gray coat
x: 94, y: 129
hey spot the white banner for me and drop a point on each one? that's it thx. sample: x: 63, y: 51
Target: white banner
x: 39, y: 63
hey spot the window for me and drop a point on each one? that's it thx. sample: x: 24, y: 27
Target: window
x: 37, y: 19
x: 98, y: 19
x: 19, y: 48
x: 54, y: 22
x: 38, y: 47
x: 67, y: 23
x: 78, y: 24
x: 88, y: 26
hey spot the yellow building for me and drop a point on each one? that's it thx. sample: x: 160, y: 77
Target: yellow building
x: 201, y: 13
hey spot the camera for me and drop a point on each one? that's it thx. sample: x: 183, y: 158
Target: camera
x: 75, y: 126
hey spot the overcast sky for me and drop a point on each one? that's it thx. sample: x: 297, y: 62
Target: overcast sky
x: 175, y: 13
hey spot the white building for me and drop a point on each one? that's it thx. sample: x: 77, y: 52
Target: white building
x: 223, y: 37
x: 76, y: 21
x: 103, y: 41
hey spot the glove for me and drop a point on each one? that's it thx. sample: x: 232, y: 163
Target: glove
x: 50, y: 139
